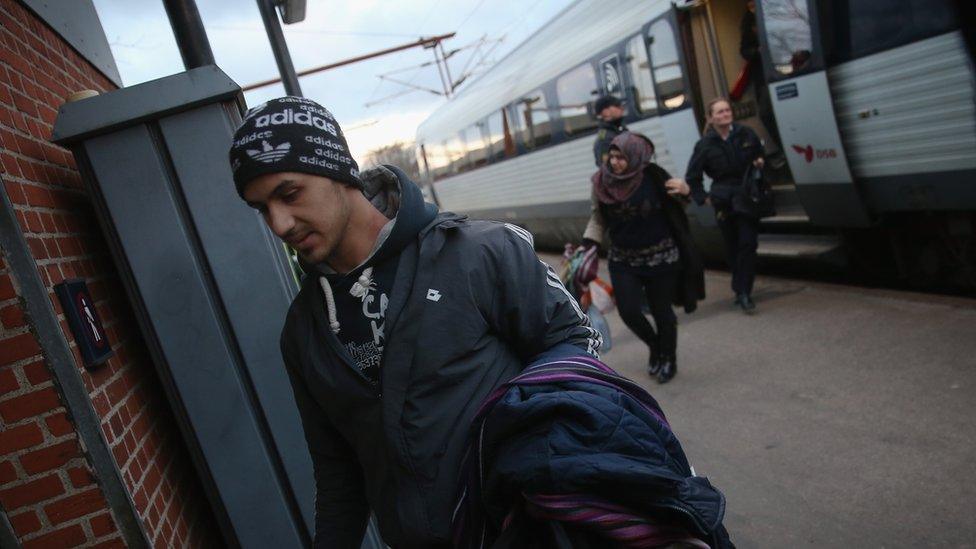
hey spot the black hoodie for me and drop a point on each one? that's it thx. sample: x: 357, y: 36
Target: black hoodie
x: 470, y: 305
x: 361, y: 296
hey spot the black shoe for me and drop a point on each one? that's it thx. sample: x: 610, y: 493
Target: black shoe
x: 669, y: 367
x: 653, y: 365
x: 746, y: 304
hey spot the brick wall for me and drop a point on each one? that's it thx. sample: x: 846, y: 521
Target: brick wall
x: 47, y: 486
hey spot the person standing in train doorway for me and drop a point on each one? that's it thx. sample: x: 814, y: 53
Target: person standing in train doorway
x: 651, y: 254
x: 725, y: 154
x: 751, y: 52
x: 408, y: 318
x: 609, y: 111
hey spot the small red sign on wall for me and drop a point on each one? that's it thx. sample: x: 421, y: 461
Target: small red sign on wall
x: 79, y: 310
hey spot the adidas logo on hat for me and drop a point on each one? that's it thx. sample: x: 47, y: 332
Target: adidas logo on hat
x: 270, y: 154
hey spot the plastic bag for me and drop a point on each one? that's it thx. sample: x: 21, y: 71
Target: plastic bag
x: 601, y: 325
x: 601, y: 295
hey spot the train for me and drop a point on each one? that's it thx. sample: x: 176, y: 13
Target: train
x: 872, y: 103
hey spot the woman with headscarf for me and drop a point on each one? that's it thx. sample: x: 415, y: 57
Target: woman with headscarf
x: 650, y: 251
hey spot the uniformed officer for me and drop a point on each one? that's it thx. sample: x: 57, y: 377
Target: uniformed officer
x: 609, y: 111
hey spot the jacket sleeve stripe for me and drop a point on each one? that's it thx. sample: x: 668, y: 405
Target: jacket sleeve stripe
x: 594, y: 339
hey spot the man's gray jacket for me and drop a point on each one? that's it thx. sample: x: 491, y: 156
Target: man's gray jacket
x: 470, y: 306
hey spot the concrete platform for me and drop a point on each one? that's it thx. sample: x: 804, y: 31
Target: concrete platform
x: 834, y: 417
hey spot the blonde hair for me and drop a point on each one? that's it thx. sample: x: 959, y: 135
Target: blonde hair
x: 708, y: 110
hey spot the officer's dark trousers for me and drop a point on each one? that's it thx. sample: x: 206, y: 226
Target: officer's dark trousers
x: 741, y: 240
x: 628, y: 290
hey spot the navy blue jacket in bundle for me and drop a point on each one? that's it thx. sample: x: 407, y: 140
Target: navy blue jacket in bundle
x: 570, y: 454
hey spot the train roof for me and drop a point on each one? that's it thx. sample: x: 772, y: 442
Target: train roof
x: 573, y: 35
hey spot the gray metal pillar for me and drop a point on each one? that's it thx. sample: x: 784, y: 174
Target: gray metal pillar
x: 191, y: 37
x: 211, y: 286
x: 279, y: 47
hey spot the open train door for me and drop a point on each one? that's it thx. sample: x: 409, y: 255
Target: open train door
x: 800, y: 94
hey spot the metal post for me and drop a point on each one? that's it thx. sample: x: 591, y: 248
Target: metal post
x: 447, y: 69
x: 440, y: 72
x: 279, y: 47
x: 191, y: 38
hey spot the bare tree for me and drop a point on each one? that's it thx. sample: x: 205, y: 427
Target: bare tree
x: 399, y: 154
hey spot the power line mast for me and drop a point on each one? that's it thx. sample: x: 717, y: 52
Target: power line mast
x: 441, y: 57
x: 429, y: 42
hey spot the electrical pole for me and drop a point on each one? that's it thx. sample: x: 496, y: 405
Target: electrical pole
x: 280, y: 48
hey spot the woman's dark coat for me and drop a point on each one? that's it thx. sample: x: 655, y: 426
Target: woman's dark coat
x: 691, y: 282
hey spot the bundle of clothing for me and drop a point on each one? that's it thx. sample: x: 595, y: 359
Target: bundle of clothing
x: 570, y: 454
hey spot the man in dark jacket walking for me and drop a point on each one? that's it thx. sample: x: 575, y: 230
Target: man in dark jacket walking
x: 407, y: 320
x: 609, y: 110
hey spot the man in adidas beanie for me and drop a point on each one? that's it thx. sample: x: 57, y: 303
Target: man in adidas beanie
x: 407, y: 320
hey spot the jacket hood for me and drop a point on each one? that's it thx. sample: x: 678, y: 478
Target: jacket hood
x: 398, y: 198
x: 391, y: 192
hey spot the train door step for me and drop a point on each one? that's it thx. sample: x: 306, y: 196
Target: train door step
x: 797, y: 246
x: 790, y: 215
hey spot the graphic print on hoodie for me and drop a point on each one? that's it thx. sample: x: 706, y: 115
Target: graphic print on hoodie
x: 362, y: 318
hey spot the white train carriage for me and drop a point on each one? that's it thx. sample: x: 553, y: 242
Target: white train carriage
x: 873, y: 101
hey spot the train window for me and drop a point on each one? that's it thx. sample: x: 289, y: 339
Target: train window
x: 495, y: 127
x: 437, y: 161
x: 455, y: 153
x: 477, y: 152
x: 869, y: 26
x: 788, y: 34
x: 574, y: 91
x: 533, y: 115
x: 642, y: 86
x: 667, y: 66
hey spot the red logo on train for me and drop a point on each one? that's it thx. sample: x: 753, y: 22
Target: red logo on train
x: 809, y: 153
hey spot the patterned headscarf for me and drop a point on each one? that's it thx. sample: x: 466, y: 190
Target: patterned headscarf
x: 612, y: 188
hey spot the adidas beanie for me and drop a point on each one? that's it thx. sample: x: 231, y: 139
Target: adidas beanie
x: 291, y: 134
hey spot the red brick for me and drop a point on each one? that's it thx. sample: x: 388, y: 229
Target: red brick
x: 167, y: 530
x: 38, y: 197
x: 8, y: 381
x: 25, y: 104
x: 25, y: 523
x: 117, y: 389
x: 140, y: 500
x: 31, y: 492
x: 58, y: 425
x: 17, y: 348
x: 31, y: 404
x: 13, y: 439
x: 7, y: 472
x: 102, y: 525
x: 8, y: 162
x: 50, y: 458
x: 37, y: 372
x: 80, y: 477
x: 115, y: 543
x: 12, y: 317
x: 69, y: 536
x: 6, y: 288
x: 101, y: 404
x: 120, y: 453
x: 75, y: 506
x: 37, y: 248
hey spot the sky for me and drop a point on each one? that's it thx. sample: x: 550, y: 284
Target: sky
x: 142, y: 42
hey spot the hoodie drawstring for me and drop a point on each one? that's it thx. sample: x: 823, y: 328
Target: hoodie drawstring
x: 329, y: 304
x: 359, y: 289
